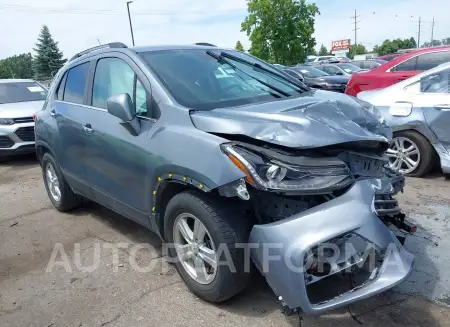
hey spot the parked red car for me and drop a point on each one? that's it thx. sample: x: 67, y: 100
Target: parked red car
x: 398, y: 69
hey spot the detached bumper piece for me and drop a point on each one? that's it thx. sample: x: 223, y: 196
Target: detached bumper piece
x: 335, y: 253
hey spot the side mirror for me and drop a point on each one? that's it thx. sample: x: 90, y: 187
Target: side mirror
x: 121, y: 106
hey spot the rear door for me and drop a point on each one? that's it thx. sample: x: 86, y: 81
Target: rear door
x: 117, y: 161
x: 434, y: 98
x: 69, y: 112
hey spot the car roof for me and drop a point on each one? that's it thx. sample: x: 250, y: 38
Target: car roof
x: 174, y: 47
x: 405, y: 56
x: 15, y: 80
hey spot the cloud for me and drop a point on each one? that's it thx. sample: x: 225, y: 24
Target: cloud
x: 218, y: 22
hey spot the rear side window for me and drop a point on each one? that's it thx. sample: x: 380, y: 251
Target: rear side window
x: 60, y: 92
x: 76, y: 83
x: 406, y: 66
x: 432, y: 59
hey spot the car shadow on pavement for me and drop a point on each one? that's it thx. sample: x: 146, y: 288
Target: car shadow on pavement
x: 23, y: 160
x: 392, y: 308
x: 136, y: 233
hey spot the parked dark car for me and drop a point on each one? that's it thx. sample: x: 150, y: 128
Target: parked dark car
x: 389, y: 57
x: 368, y: 64
x: 213, y: 149
x: 345, y: 69
x: 318, y: 79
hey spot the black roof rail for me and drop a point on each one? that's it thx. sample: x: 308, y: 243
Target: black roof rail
x: 207, y: 44
x: 108, y: 45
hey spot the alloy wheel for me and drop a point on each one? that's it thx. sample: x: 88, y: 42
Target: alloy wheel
x: 195, y: 248
x: 404, y: 155
x: 52, y: 182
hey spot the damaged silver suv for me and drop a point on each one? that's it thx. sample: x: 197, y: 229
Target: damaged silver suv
x: 235, y: 164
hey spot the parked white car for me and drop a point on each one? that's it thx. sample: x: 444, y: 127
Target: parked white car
x: 418, y: 110
x: 19, y: 100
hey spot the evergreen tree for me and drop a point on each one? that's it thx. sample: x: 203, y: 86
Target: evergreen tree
x: 49, y: 59
x: 323, y: 51
x: 239, y: 46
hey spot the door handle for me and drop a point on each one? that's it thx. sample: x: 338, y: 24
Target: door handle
x: 88, y: 129
x: 442, y: 106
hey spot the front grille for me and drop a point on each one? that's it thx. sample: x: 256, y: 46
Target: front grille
x: 6, y: 142
x: 26, y: 134
x: 23, y: 120
x: 386, y: 205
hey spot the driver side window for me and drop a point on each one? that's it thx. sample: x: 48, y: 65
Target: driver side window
x: 436, y: 83
x: 114, y: 76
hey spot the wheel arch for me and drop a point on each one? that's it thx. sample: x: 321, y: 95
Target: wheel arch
x: 43, y: 148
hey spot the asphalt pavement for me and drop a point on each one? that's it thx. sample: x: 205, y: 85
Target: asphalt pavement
x: 79, y: 269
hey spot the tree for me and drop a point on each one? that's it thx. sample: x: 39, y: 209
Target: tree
x: 433, y: 43
x: 446, y: 41
x: 356, y: 49
x: 280, y: 31
x: 389, y: 46
x: 323, y: 50
x: 239, y: 46
x: 49, y: 59
x: 19, y: 66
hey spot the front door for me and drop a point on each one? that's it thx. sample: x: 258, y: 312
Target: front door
x: 117, y: 160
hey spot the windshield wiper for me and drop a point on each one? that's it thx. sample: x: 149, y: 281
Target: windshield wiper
x: 223, y: 59
x: 267, y: 70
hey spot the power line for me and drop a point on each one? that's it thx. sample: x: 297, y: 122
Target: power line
x: 356, y: 28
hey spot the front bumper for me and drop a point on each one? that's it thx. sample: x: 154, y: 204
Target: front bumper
x: 17, y: 139
x: 444, y: 156
x: 291, y: 239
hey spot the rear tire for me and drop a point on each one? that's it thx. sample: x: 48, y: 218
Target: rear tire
x: 61, y: 196
x: 226, y: 227
x: 426, y: 154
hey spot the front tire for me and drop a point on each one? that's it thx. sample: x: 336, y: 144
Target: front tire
x: 411, y: 154
x: 204, y: 228
x: 58, y: 191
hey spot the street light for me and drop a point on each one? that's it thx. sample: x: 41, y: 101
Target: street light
x: 129, y: 18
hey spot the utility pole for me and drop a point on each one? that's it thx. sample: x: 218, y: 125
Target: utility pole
x: 99, y: 43
x: 129, y: 18
x: 356, y: 26
x: 432, y: 31
x: 418, y: 34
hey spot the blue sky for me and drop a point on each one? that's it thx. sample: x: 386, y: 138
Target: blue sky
x: 187, y: 21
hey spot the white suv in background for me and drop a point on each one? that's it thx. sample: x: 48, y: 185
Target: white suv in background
x: 19, y: 100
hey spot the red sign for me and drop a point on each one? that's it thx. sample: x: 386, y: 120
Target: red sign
x: 340, y: 45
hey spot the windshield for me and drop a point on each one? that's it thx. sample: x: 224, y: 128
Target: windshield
x: 198, y: 80
x: 11, y: 92
x: 349, y: 68
x: 310, y: 72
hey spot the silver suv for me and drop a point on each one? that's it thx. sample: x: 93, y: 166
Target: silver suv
x: 20, y: 99
x: 223, y: 155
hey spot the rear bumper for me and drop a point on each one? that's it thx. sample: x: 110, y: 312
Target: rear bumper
x: 290, y: 239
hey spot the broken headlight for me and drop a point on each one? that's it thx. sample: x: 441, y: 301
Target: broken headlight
x: 319, y: 175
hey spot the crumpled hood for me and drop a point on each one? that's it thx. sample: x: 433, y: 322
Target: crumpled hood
x: 315, y: 119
